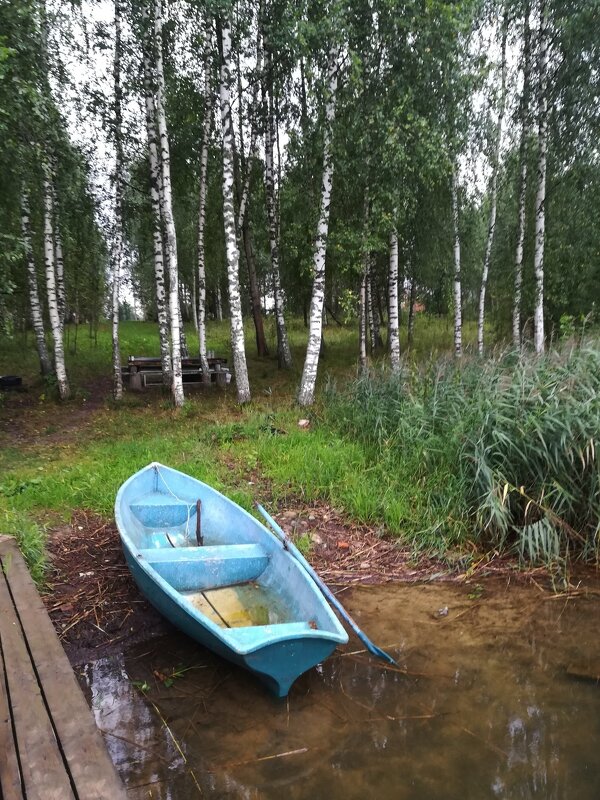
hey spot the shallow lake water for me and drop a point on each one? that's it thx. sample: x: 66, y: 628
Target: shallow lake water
x: 496, y: 698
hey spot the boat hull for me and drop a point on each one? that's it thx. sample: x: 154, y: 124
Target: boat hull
x: 277, y: 652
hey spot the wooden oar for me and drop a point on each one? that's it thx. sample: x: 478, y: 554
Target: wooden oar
x: 291, y: 547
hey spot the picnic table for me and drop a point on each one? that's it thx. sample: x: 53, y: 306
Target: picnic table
x: 143, y: 372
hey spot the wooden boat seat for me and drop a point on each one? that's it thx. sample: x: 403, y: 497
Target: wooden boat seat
x: 208, y: 567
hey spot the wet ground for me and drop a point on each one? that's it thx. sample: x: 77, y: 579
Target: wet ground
x: 496, y: 695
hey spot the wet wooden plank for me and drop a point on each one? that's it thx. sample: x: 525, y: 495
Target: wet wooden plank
x: 43, y: 770
x: 83, y: 755
x: 10, y: 779
x: 584, y: 672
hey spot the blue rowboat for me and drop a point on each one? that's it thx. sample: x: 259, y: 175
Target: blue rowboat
x: 219, y: 575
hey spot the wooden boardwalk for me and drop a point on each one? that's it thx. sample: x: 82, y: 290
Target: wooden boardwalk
x: 50, y: 747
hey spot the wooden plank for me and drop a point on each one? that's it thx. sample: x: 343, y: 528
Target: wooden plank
x: 44, y: 774
x: 10, y: 778
x: 88, y: 761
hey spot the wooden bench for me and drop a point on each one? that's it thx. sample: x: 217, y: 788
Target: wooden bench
x: 50, y: 747
x: 145, y: 371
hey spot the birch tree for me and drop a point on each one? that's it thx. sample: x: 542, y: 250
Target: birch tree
x: 167, y: 211
x: 457, y: 281
x: 117, y: 249
x: 55, y: 323
x: 393, y: 310
x: 243, y: 191
x: 540, y: 199
x: 153, y: 162
x: 37, y: 318
x: 206, y: 126
x: 231, y: 248
x: 522, y: 189
x: 59, y: 260
x: 284, y: 355
x: 306, y: 393
x: 493, y: 193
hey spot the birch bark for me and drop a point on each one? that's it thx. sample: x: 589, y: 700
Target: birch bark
x: 37, y: 317
x: 117, y: 251
x: 375, y: 315
x: 540, y: 200
x: 231, y: 248
x: 55, y: 326
x: 393, y: 313
x: 524, y: 118
x: 167, y: 212
x: 219, y: 303
x: 412, y: 299
x: 369, y: 301
x: 243, y: 190
x: 457, y: 282
x: 362, y: 322
x: 206, y: 126
x: 157, y: 237
x: 493, y: 190
x: 284, y: 355
x: 306, y: 393
x: 59, y: 260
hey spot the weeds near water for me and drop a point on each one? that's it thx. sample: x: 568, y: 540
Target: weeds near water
x: 507, y: 445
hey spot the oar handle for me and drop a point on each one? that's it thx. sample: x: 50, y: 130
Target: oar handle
x: 289, y: 545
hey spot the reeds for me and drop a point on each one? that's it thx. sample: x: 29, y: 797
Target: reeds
x: 502, y: 450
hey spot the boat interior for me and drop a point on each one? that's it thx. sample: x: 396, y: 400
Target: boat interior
x: 219, y: 559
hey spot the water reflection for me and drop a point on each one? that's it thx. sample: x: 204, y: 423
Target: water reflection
x: 482, y: 705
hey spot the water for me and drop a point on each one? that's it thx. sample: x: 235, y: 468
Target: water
x: 242, y: 605
x: 490, y: 707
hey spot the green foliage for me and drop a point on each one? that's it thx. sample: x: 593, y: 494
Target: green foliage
x: 505, y: 447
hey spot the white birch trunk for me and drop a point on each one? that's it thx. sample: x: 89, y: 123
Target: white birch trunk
x: 370, y: 314
x: 540, y: 200
x: 412, y: 298
x: 306, y: 393
x: 284, y: 354
x: 155, y: 182
x: 206, y: 126
x: 493, y: 192
x: 195, y: 301
x: 232, y: 253
x: 185, y: 353
x: 55, y: 326
x: 457, y: 283
x: 167, y: 213
x: 37, y: 317
x: 362, y: 322
x: 393, y: 311
x: 524, y: 114
x: 117, y: 251
x: 243, y: 227
x: 59, y: 262
x: 219, y: 303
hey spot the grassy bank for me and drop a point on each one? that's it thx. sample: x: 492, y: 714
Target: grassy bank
x: 487, y: 454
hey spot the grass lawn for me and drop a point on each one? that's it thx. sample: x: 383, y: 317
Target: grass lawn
x: 56, y: 458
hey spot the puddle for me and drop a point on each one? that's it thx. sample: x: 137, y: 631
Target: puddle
x: 239, y: 606
x: 499, y: 701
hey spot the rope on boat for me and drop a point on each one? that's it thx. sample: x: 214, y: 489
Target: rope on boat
x: 179, y: 500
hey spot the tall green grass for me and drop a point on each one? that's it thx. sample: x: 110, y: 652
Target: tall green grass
x: 503, y: 451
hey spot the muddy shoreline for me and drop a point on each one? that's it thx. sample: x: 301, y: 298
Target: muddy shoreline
x: 97, y: 610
